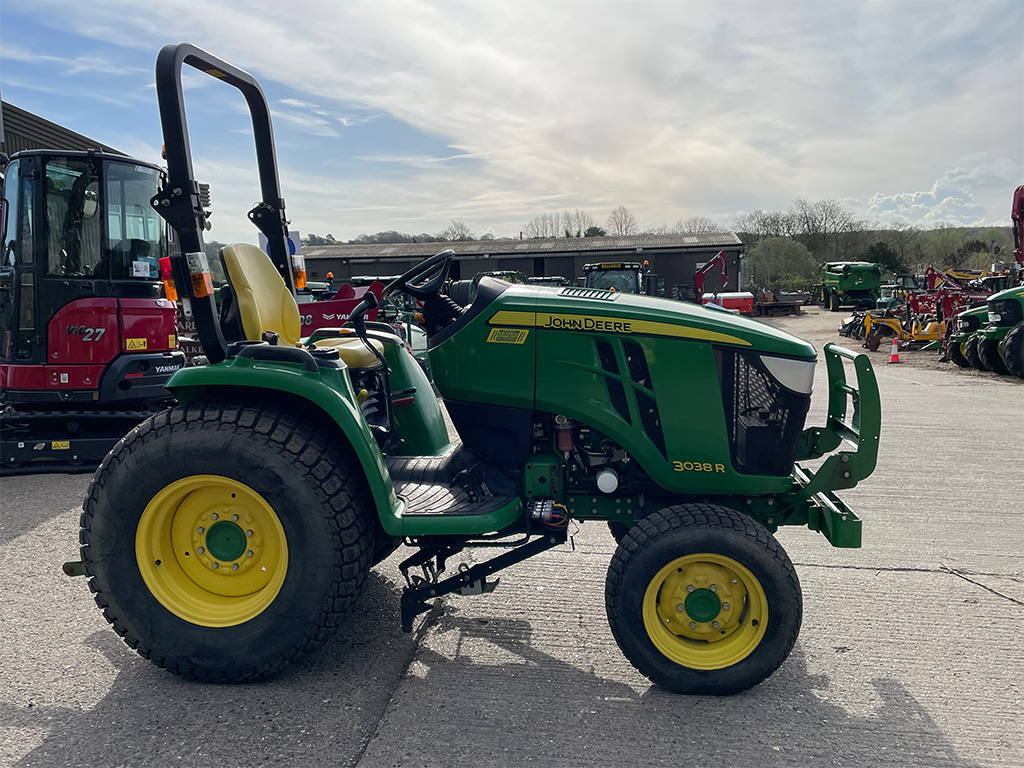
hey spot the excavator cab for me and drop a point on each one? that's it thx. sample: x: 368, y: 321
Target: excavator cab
x: 84, y: 323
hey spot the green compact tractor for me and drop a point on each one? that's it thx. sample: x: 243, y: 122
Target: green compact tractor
x: 228, y: 537
x: 1001, y: 340
x: 850, y: 283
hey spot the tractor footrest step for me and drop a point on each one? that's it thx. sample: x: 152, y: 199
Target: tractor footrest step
x: 457, y: 482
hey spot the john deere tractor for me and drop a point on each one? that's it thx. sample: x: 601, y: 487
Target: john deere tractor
x: 228, y: 537
x: 1001, y: 340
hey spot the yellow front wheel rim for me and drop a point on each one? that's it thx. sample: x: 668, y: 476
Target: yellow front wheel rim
x: 211, y: 550
x: 705, y: 611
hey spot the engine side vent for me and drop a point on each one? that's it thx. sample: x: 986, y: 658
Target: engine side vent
x: 651, y: 419
x: 637, y: 362
x: 617, y: 396
x: 607, y: 356
x: 599, y: 294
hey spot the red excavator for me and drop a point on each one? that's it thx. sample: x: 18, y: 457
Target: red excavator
x: 87, y: 336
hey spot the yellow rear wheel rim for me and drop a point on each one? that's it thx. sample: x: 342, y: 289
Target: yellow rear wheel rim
x: 705, y: 611
x: 211, y: 550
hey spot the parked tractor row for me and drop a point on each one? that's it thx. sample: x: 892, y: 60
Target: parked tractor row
x: 975, y: 319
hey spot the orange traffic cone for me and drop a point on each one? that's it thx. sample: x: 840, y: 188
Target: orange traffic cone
x: 894, y: 357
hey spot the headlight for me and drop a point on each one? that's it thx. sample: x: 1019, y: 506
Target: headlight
x: 994, y: 317
x: 796, y: 375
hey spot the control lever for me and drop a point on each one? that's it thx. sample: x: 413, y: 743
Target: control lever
x: 358, y: 316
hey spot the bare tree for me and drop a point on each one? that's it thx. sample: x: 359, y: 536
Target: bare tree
x: 767, y: 224
x: 905, y: 239
x: 457, y: 230
x: 576, y: 223
x: 543, y: 225
x: 621, y: 222
x: 696, y: 225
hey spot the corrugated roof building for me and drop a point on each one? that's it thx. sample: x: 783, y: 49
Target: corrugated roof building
x: 20, y: 129
x: 674, y: 258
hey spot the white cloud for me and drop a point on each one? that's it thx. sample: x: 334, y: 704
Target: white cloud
x: 673, y: 109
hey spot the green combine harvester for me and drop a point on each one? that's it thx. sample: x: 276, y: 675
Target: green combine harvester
x: 228, y: 537
x: 850, y: 283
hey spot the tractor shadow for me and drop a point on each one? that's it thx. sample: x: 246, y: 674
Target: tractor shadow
x: 466, y: 691
x: 321, y: 712
x: 493, y: 694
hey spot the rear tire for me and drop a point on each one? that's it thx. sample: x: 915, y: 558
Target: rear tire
x: 1013, y: 350
x: 703, y: 600
x: 833, y: 303
x: 988, y: 351
x: 971, y: 353
x: 225, y: 541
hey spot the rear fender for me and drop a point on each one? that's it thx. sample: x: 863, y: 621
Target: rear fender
x: 325, y: 395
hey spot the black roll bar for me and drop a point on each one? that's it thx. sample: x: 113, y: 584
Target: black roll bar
x: 179, y: 202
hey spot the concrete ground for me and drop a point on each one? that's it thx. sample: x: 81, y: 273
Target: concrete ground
x: 911, y: 652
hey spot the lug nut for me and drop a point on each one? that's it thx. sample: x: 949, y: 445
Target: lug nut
x: 234, y: 566
x: 249, y: 553
x: 213, y: 516
x: 693, y: 625
x: 680, y: 608
x: 715, y: 624
x: 725, y: 606
x: 235, y: 518
x: 215, y: 565
x: 200, y: 550
x: 690, y: 588
x: 713, y: 588
x: 249, y: 532
x: 200, y: 529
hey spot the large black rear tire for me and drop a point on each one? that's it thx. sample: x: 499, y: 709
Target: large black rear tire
x: 703, y: 600
x: 1013, y: 350
x: 988, y: 351
x: 225, y: 541
x: 971, y: 353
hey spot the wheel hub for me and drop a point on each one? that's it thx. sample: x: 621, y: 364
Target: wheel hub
x: 225, y: 541
x: 702, y: 605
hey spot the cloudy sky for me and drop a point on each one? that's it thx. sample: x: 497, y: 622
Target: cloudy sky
x: 394, y: 114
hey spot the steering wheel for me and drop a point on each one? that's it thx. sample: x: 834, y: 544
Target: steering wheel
x: 425, y: 279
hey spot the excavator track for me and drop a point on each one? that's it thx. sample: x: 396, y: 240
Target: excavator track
x: 72, y: 441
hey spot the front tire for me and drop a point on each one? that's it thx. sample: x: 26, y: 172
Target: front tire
x: 225, y: 542
x: 988, y: 352
x: 971, y: 353
x: 956, y: 354
x: 703, y: 600
x: 833, y: 302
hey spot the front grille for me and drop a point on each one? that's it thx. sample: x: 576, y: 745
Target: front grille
x: 1009, y: 311
x: 764, y: 418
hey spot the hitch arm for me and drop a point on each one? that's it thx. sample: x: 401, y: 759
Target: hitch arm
x: 471, y: 580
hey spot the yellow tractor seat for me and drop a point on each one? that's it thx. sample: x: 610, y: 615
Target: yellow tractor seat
x: 266, y: 304
x: 264, y: 301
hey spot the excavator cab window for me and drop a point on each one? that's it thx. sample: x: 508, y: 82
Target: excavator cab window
x: 73, y: 236
x: 135, y: 232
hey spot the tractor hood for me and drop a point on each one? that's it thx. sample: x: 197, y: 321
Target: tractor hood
x: 591, y: 310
